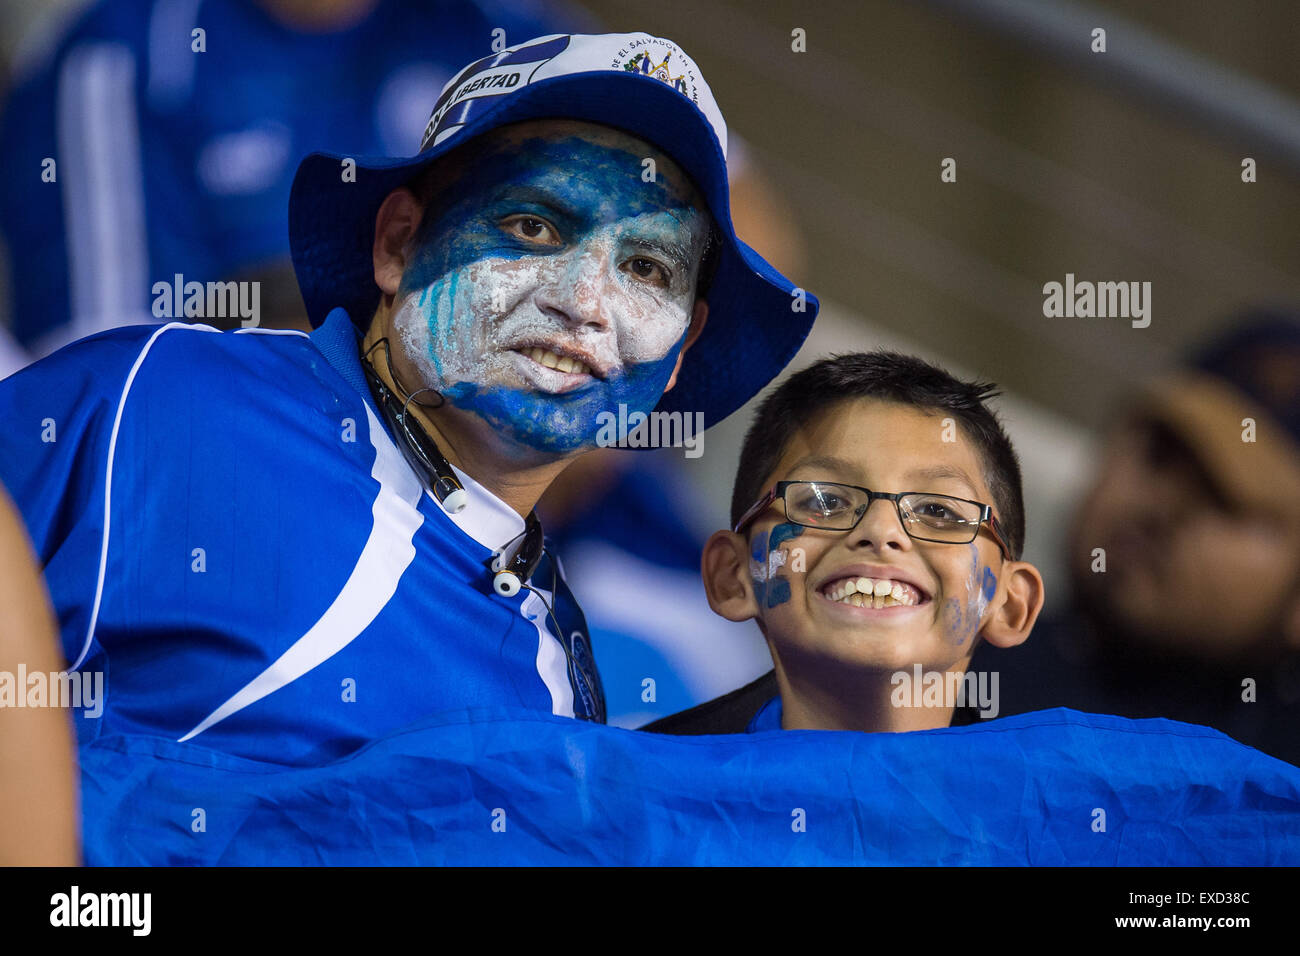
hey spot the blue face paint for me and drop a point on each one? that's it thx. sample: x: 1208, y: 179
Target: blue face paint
x: 566, y: 422
x: 555, y: 244
x: 778, y: 592
x: 956, y: 627
x: 990, y: 584
x: 784, y: 532
x: 771, y: 589
x: 964, y: 617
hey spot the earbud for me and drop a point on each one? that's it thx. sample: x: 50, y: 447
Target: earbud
x: 511, y: 567
x: 450, y: 494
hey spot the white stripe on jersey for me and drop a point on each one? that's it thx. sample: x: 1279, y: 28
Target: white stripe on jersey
x: 384, y: 558
x: 387, y: 553
x: 552, y: 662
x: 108, y: 479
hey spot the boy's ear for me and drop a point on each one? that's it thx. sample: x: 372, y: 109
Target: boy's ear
x: 1015, y: 606
x: 725, y: 570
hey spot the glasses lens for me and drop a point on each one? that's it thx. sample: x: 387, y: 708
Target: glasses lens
x: 940, y: 518
x: 819, y: 504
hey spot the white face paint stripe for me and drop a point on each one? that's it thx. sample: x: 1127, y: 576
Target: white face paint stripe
x: 387, y: 553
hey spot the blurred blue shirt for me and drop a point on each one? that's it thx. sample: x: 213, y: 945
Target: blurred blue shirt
x: 173, y: 161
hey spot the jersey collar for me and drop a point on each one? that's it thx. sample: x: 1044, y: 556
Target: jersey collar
x: 485, y: 518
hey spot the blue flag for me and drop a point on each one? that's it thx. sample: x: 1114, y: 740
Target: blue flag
x: 499, y: 786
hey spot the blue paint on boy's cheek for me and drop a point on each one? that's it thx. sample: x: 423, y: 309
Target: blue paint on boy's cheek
x: 955, y: 628
x: 566, y: 422
x: 778, y: 588
x: 778, y: 592
x: 782, y: 533
x: 990, y: 584
x: 964, y: 618
x: 771, y: 589
x: 758, y: 565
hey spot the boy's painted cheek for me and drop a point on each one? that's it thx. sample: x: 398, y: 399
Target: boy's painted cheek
x: 990, y: 585
x: 962, y: 616
x: 768, y: 556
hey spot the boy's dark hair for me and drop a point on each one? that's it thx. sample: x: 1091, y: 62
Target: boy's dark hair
x: 892, y: 377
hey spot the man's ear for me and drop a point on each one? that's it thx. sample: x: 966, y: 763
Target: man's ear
x: 725, y: 570
x: 396, y: 223
x: 1016, y: 605
x: 699, y: 315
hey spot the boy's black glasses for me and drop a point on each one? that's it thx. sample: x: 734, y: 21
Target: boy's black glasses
x: 834, y: 507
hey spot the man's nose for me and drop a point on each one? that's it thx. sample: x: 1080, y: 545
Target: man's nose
x: 880, y: 528
x: 581, y: 287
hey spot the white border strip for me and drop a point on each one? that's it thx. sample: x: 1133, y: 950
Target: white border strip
x: 108, y: 480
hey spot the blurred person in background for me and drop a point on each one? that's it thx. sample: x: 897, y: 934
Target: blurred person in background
x: 1184, y: 556
x: 38, y: 786
x: 174, y: 128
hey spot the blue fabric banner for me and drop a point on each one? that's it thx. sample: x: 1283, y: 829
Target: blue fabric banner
x: 510, y: 787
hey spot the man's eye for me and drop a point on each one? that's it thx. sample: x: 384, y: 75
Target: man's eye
x: 532, y: 228
x: 648, y: 270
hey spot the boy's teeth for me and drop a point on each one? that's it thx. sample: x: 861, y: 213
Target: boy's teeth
x: 865, y: 592
x: 561, y: 363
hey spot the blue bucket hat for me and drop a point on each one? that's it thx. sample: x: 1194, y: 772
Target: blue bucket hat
x: 643, y: 85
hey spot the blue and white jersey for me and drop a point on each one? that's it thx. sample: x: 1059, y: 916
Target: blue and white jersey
x: 230, y: 535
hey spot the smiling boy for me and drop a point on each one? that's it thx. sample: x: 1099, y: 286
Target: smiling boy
x: 877, y: 525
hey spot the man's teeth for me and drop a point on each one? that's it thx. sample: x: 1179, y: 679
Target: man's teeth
x: 561, y: 363
x: 865, y: 592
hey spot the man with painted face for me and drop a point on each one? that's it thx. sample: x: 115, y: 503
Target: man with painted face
x: 281, y: 546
